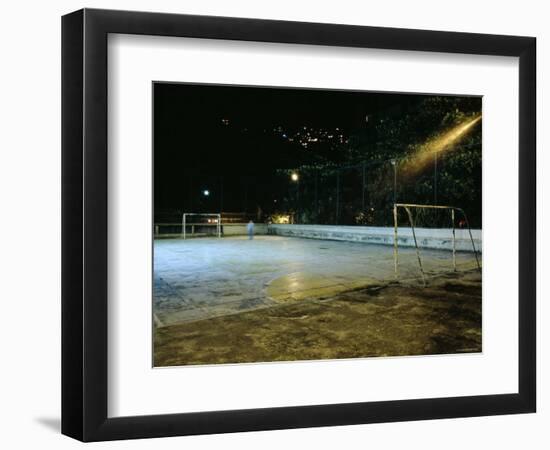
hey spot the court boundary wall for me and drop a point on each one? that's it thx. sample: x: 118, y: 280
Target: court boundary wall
x: 432, y: 238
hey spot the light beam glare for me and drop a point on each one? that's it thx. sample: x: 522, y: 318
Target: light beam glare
x: 440, y: 144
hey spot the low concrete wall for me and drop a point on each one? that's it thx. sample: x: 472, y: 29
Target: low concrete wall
x: 171, y: 230
x: 435, y: 238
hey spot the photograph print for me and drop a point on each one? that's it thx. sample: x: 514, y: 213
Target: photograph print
x: 295, y: 224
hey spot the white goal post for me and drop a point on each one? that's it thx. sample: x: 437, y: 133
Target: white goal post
x: 408, y: 207
x: 215, y: 221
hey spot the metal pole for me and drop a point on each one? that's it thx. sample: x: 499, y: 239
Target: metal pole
x: 219, y: 225
x: 184, y: 225
x: 363, y: 191
x: 395, y: 249
x: 394, y: 163
x: 416, y: 245
x: 316, y: 195
x: 337, y: 196
x: 454, y: 238
x: 435, y: 178
x: 298, y: 198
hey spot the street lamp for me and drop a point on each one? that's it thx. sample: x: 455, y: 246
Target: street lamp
x: 206, y: 192
x: 294, y: 176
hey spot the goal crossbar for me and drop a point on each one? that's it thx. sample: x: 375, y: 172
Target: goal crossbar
x: 408, y: 207
x: 218, y: 223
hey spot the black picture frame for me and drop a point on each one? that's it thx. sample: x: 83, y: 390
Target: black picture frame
x: 84, y: 224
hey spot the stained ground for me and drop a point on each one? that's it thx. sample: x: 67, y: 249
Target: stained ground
x: 388, y: 319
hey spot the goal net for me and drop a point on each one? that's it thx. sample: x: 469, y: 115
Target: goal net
x: 433, y: 227
x: 201, y: 224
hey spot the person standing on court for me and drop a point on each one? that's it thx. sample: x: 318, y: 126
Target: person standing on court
x: 250, y: 230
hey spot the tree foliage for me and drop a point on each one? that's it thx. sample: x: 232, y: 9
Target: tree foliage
x: 354, y: 183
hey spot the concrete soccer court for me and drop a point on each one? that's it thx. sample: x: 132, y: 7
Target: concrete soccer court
x: 202, y: 278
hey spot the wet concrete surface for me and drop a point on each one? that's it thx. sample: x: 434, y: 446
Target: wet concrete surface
x: 203, y: 278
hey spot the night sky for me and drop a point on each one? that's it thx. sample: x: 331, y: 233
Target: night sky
x: 207, y: 136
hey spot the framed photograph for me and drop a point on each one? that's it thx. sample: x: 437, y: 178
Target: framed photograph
x: 273, y: 224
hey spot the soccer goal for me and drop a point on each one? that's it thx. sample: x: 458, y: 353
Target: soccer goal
x: 209, y: 224
x: 440, y: 220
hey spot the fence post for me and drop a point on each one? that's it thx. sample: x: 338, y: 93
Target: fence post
x: 317, y: 195
x: 337, y: 196
x: 363, y: 191
x: 395, y: 249
x: 435, y: 178
x: 183, y: 225
x: 454, y: 238
x: 394, y: 164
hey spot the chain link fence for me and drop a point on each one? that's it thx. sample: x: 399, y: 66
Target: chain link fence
x: 364, y: 193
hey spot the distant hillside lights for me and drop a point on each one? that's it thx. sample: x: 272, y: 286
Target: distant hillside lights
x: 307, y: 136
